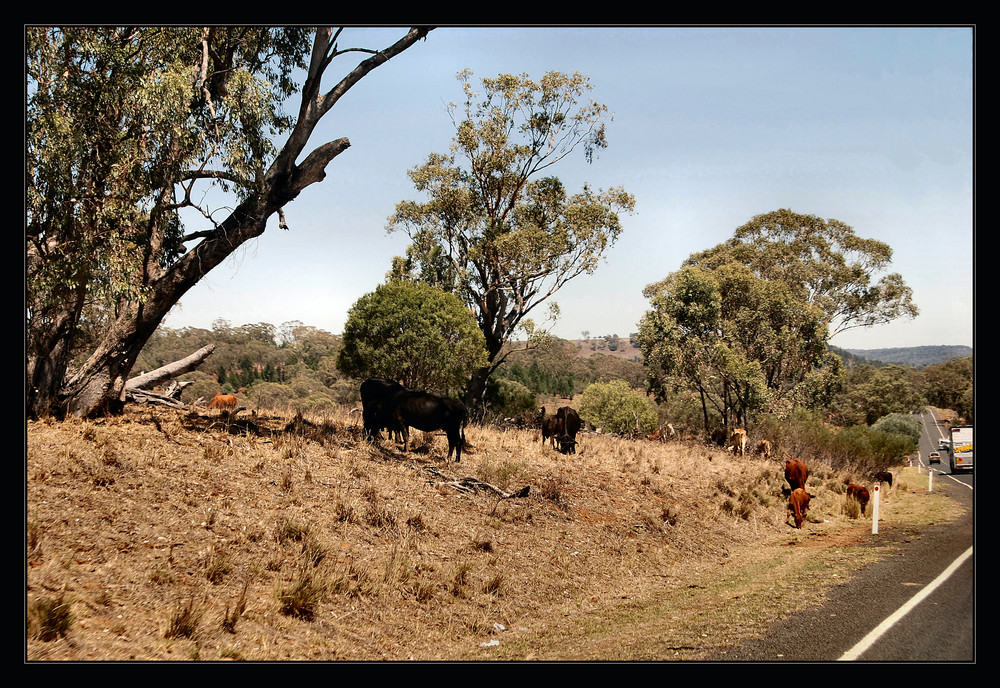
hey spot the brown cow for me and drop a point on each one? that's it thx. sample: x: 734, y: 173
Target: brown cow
x: 764, y: 449
x: 550, y: 426
x: 798, y: 504
x: 224, y: 402
x: 738, y: 441
x: 796, y: 473
x: 859, y: 494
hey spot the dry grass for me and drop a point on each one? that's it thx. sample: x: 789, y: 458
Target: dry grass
x: 169, y: 536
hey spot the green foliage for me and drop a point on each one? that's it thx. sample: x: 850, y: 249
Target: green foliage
x: 413, y: 333
x: 100, y: 203
x: 270, y: 395
x: 536, y: 379
x: 616, y: 408
x: 744, y: 325
x: 292, y: 368
x: 857, y: 448
x: 492, y: 230
x: 949, y: 386
x: 507, y: 398
x: 901, y: 424
x: 871, y: 393
x: 822, y: 262
x: 740, y: 342
x: 126, y: 127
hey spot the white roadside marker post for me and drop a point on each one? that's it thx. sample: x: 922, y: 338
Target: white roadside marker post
x: 875, y: 511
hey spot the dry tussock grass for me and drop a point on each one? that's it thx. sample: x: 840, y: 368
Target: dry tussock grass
x: 163, y: 535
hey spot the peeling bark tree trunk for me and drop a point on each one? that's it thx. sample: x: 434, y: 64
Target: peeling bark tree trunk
x: 98, y: 387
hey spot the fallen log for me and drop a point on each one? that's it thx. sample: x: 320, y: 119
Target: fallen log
x: 171, y: 370
x: 472, y: 485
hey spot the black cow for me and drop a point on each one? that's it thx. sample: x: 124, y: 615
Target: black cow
x: 884, y: 477
x: 374, y: 393
x: 568, y: 422
x: 424, y: 411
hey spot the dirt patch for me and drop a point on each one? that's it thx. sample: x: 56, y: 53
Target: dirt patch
x: 180, y: 536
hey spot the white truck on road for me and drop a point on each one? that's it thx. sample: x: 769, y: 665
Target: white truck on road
x: 960, y: 450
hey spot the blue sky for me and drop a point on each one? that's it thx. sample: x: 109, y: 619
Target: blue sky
x: 712, y: 126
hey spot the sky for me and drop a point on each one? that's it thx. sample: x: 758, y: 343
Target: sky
x: 872, y: 126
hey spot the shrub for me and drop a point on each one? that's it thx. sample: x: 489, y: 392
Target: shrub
x: 508, y: 398
x: 859, y: 448
x: 902, y: 423
x: 414, y: 333
x: 616, y: 408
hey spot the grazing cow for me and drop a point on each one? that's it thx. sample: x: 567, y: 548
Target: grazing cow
x: 738, y: 441
x: 550, y: 426
x: 224, y: 402
x: 568, y: 425
x: 764, y: 449
x: 859, y: 494
x: 796, y: 473
x: 424, y: 411
x: 884, y: 477
x: 798, y: 504
x: 374, y: 393
x: 656, y: 436
x: 719, y: 436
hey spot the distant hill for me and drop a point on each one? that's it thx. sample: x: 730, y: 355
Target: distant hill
x: 915, y: 356
x: 626, y: 348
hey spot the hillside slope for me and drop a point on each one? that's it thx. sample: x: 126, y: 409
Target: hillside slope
x: 179, y: 536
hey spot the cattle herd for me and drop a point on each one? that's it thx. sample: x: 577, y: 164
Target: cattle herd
x: 388, y: 405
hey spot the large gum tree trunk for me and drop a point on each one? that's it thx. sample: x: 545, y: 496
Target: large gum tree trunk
x: 97, y: 388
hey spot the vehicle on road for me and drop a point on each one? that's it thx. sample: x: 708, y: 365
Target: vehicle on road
x: 944, y: 444
x: 934, y: 457
x: 960, y: 451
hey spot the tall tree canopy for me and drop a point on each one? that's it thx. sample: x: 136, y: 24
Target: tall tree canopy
x: 413, y: 333
x: 495, y: 229
x: 823, y: 262
x: 127, y: 126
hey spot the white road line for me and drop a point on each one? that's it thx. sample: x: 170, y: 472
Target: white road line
x: 953, y: 479
x: 877, y: 633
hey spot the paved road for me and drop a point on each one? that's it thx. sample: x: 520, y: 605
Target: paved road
x: 941, y: 628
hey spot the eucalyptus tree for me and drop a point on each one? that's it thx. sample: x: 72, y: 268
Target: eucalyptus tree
x: 127, y: 126
x: 741, y: 343
x: 745, y: 324
x: 496, y: 228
